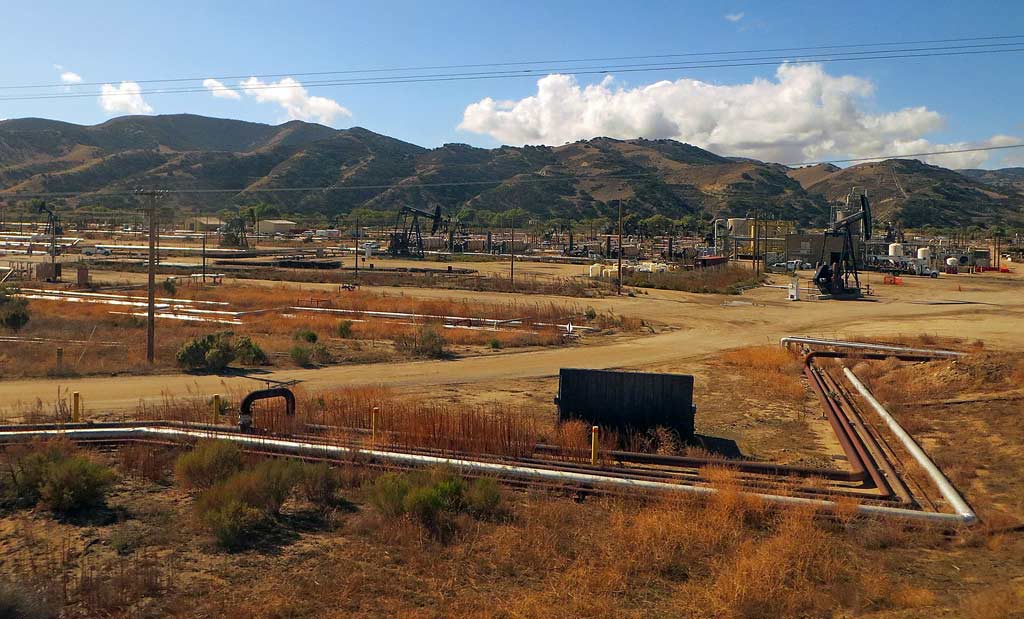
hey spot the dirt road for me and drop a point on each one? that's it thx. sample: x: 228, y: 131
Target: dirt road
x: 988, y: 309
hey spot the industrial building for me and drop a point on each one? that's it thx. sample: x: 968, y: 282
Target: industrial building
x: 203, y: 224
x: 742, y: 237
x: 275, y: 226
x: 815, y: 248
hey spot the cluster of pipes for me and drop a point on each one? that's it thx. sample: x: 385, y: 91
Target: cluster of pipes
x: 871, y: 478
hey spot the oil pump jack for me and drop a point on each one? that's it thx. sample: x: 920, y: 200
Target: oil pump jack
x: 837, y: 274
x: 407, y: 237
x: 54, y: 229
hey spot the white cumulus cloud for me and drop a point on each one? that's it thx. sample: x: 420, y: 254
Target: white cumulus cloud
x: 802, y: 114
x: 734, y: 17
x: 219, y: 90
x: 67, y: 77
x: 295, y: 100
x: 124, y: 99
x: 956, y: 161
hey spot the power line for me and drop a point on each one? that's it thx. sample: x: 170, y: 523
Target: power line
x: 938, y: 152
x: 517, y: 181
x: 527, y: 62
x: 535, y: 72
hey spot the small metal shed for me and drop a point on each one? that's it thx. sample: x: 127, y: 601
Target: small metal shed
x: 633, y: 401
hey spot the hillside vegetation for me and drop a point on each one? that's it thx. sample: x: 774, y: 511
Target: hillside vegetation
x: 362, y: 169
x: 916, y: 193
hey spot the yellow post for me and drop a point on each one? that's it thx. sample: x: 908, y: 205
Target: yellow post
x: 216, y: 408
x: 593, y: 445
x: 76, y: 410
x: 373, y: 425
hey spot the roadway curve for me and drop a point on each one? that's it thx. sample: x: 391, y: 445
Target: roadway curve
x: 705, y: 324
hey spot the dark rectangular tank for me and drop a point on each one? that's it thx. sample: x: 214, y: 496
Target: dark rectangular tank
x: 635, y: 401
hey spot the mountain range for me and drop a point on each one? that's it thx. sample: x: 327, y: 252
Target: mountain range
x: 330, y: 172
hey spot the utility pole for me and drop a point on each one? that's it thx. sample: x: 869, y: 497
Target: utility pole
x: 152, y: 194
x: 757, y: 264
x: 357, y: 250
x: 620, y: 248
x: 512, y: 251
x: 204, y: 225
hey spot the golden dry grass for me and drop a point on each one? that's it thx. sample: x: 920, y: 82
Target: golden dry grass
x: 772, y: 369
x: 85, y: 326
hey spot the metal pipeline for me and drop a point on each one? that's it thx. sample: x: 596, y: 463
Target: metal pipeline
x: 303, y: 448
x: 786, y: 341
x: 864, y: 436
x: 963, y: 511
x: 857, y: 471
x: 635, y: 457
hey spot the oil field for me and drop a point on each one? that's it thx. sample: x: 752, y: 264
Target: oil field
x: 290, y: 371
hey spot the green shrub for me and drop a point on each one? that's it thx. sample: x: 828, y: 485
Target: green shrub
x: 21, y: 601
x: 170, y: 288
x: 249, y: 352
x: 232, y: 522
x: 591, y: 313
x: 494, y: 343
x: 427, y: 342
x: 320, y: 354
x: 75, y: 484
x: 320, y: 482
x: 236, y: 508
x: 28, y: 467
x: 425, y: 505
x: 301, y: 356
x: 430, y: 498
x: 274, y: 481
x: 387, y: 493
x: 209, y: 463
x: 483, y: 498
x: 212, y: 352
x: 345, y: 329
x: 13, y: 310
x: 306, y: 335
x: 450, y: 491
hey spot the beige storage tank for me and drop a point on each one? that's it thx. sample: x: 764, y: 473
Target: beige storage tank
x: 952, y: 261
x: 895, y: 250
x: 924, y: 253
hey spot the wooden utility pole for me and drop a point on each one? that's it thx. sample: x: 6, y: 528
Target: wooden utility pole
x: 757, y: 264
x: 204, y: 225
x: 512, y: 251
x: 620, y: 248
x: 151, y: 298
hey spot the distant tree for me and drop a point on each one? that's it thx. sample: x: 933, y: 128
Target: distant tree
x: 657, y: 224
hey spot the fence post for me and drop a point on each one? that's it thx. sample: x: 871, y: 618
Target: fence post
x: 373, y: 425
x: 60, y: 358
x: 216, y: 408
x: 76, y: 410
x: 593, y: 445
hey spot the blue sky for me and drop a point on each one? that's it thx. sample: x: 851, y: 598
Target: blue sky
x: 969, y: 100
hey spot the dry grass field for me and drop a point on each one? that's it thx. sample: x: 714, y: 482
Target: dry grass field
x: 150, y: 551
x: 360, y: 542
x: 95, y: 340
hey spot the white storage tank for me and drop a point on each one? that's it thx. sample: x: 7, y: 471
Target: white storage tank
x: 924, y: 253
x: 595, y: 270
x: 952, y: 261
x: 895, y: 250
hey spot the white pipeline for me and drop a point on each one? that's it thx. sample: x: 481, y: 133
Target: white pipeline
x: 303, y: 448
x: 957, y: 502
